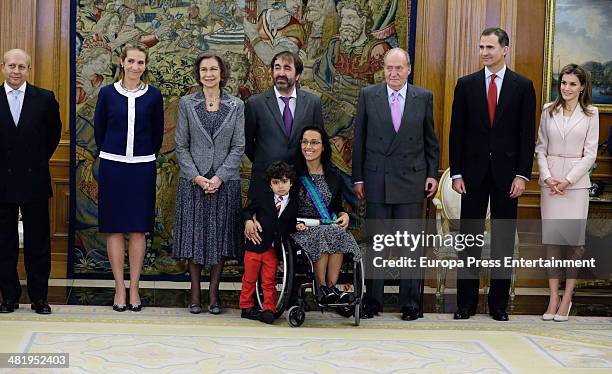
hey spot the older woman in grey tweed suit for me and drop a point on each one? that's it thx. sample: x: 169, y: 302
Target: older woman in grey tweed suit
x: 209, y: 145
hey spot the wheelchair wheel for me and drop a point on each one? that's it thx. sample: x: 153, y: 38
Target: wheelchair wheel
x: 296, y: 316
x: 358, y: 281
x: 284, y: 282
x: 357, y: 311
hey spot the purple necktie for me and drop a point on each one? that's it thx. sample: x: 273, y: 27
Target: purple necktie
x: 396, y: 111
x: 287, y: 117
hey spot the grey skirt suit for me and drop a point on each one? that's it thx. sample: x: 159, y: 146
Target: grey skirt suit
x: 209, y: 227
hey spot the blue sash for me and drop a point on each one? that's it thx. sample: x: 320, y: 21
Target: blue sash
x: 317, y: 199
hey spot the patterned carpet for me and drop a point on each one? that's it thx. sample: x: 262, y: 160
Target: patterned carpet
x: 170, y: 340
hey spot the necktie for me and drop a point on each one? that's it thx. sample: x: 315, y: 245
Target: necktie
x: 492, y: 99
x: 396, y: 111
x: 279, y: 203
x: 287, y: 117
x: 14, y: 106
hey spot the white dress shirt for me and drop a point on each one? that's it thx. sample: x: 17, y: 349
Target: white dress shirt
x: 499, y: 79
x: 281, y: 103
x: 15, y: 100
x: 284, y: 202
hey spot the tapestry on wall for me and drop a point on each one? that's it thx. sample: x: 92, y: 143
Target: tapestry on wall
x: 342, y: 44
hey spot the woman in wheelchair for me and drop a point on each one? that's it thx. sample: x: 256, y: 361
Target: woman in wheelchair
x: 319, y: 195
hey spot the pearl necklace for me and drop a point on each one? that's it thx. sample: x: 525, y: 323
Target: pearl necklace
x: 141, y: 86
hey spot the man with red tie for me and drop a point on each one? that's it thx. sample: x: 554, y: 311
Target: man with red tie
x: 491, y: 153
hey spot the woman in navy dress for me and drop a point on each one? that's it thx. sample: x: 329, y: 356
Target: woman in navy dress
x: 129, y: 126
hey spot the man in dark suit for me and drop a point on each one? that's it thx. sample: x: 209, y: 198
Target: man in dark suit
x: 395, y: 159
x: 491, y: 154
x: 274, y: 119
x: 30, y: 130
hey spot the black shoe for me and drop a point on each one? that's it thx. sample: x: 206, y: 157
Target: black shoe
x: 119, y: 307
x: 41, y: 307
x: 462, y: 314
x: 348, y: 311
x: 371, y: 307
x: 195, y: 308
x: 410, y: 314
x: 343, y: 297
x: 327, y: 296
x: 135, y: 307
x: 500, y: 316
x: 250, y: 313
x: 8, y: 306
x: 267, y: 317
x: 214, y: 309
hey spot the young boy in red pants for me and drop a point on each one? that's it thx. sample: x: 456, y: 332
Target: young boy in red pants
x: 270, y: 217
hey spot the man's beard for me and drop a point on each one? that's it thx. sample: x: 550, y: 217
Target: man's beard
x: 284, y: 85
x: 349, y: 33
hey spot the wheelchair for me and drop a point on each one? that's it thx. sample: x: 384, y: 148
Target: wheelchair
x: 295, y: 276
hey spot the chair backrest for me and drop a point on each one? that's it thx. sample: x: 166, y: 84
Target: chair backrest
x: 451, y: 200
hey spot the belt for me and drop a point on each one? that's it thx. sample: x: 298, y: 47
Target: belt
x: 564, y: 156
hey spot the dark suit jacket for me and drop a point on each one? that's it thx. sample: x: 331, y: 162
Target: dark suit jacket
x: 266, y: 139
x: 274, y: 229
x: 393, y: 165
x: 25, y: 150
x: 509, y: 143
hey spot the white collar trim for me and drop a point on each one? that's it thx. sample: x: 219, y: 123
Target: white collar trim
x: 122, y: 91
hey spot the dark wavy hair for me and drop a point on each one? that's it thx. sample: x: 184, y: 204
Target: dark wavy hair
x: 585, y: 98
x: 300, y: 161
x: 280, y: 170
x: 502, y: 35
x: 223, y: 65
x: 288, y: 56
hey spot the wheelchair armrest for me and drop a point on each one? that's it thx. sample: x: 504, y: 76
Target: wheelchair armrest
x: 309, y: 222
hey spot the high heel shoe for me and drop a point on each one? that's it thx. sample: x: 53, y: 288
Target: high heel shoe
x: 135, y: 307
x: 119, y: 307
x: 551, y: 316
x: 560, y: 318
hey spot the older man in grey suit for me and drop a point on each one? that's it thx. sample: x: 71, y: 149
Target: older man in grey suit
x: 274, y: 119
x: 395, y: 160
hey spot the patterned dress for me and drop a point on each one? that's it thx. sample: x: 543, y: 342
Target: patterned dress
x: 325, y: 238
x: 208, y: 227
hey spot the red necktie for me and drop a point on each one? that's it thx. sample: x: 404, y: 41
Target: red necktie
x: 492, y: 99
x: 279, y: 203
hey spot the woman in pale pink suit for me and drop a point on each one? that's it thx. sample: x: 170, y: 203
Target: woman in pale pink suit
x: 566, y: 150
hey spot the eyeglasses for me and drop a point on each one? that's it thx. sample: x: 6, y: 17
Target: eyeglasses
x: 313, y: 143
